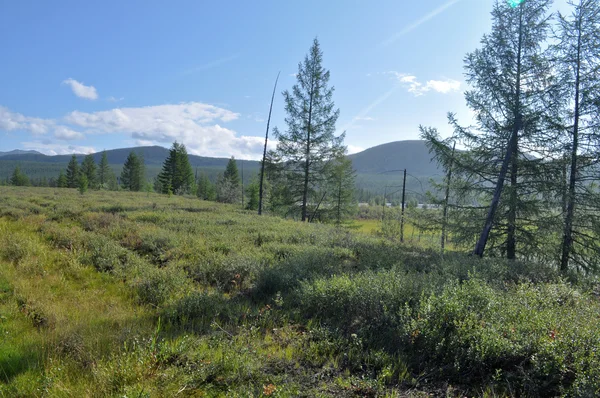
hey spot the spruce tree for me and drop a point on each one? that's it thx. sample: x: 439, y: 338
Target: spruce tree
x: 88, y: 168
x: 132, y: 175
x: 176, y: 175
x: 205, y: 188
x: 228, y: 184
x: 104, y: 172
x: 62, y: 180
x: 73, y: 173
x: 309, y: 142
x: 19, y: 179
x: 252, y: 193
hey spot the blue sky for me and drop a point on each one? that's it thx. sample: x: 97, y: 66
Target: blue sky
x: 81, y: 76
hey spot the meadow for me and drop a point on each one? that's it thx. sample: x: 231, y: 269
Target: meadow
x: 145, y: 295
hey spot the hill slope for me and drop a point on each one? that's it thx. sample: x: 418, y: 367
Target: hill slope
x: 411, y: 155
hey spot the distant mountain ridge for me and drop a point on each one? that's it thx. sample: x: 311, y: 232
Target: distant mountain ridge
x: 412, y: 155
x: 153, y: 156
x: 377, y: 168
x: 18, y: 152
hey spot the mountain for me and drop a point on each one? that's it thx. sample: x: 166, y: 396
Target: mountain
x: 411, y: 155
x: 153, y: 156
x: 18, y: 152
x: 378, y: 168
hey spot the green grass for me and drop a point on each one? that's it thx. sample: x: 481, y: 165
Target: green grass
x: 134, y: 294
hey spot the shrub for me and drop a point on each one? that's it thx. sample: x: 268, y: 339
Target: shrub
x: 305, y: 265
x: 155, y: 286
x: 103, y: 254
x: 198, y: 310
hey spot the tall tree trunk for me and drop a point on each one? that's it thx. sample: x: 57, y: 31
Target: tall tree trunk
x: 513, y: 143
x: 307, y: 165
x: 262, y: 165
x: 511, y: 240
x: 446, y: 198
x: 567, y: 246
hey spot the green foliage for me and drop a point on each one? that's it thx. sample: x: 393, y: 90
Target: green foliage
x: 88, y: 169
x: 205, y: 189
x: 19, y: 179
x: 104, y: 172
x: 82, y: 184
x: 73, y: 173
x: 309, y: 143
x: 341, y: 185
x: 133, y: 173
x: 252, y: 193
x: 176, y: 175
x: 228, y: 184
x: 225, y: 302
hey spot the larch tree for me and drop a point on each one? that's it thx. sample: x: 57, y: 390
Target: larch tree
x: 578, y: 63
x: 309, y: 142
x: 509, y: 75
x: 341, y: 186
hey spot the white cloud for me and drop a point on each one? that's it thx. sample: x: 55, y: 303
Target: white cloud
x: 354, y: 149
x: 81, y: 90
x: 66, y: 134
x: 417, y: 88
x: 196, y: 125
x: 10, y: 121
x: 52, y: 149
x: 418, y: 23
x: 444, y: 86
x: 113, y: 99
x: 365, y: 118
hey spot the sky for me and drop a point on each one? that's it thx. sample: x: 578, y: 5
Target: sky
x: 81, y: 76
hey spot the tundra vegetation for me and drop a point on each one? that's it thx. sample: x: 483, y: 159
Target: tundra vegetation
x: 147, y: 294
x: 139, y: 294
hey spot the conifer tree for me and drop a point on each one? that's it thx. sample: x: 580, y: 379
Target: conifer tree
x: 132, y: 175
x: 509, y: 76
x: 176, y: 175
x: 228, y: 184
x: 205, y: 188
x: 309, y: 142
x: 104, y: 172
x: 19, y: 179
x: 62, y: 180
x: 73, y: 173
x: 252, y: 193
x: 88, y: 168
x: 578, y: 60
x: 342, y: 181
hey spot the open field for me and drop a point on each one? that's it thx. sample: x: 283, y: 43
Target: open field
x: 142, y: 295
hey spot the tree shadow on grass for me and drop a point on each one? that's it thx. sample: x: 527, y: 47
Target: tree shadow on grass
x: 14, y: 363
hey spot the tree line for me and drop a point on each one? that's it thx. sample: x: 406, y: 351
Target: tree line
x: 307, y: 177
x: 524, y: 183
